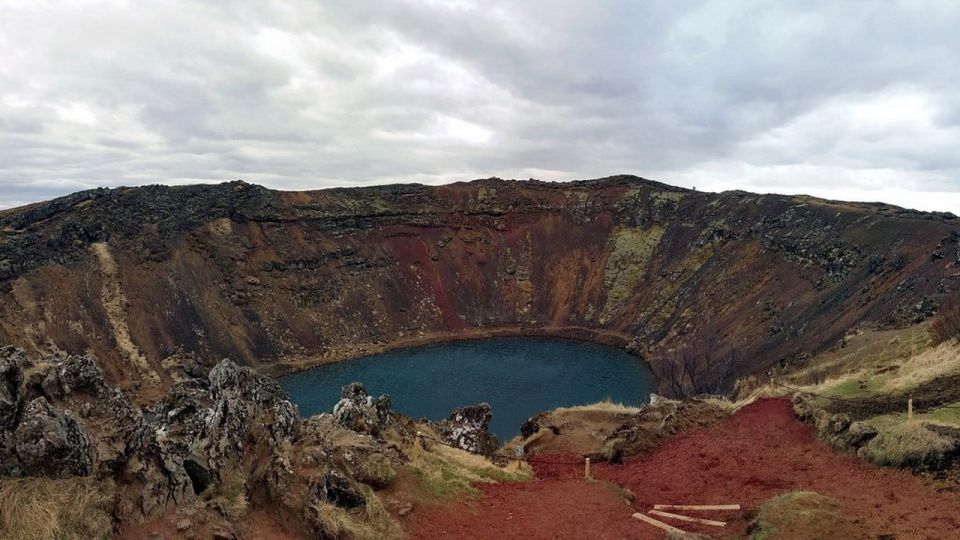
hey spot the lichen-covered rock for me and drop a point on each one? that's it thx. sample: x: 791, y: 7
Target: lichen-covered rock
x: 204, y: 428
x: 76, y: 383
x: 647, y: 428
x: 51, y: 442
x: 244, y: 401
x: 468, y: 428
x: 361, y: 412
x: 74, y: 374
x: 11, y: 375
x: 859, y: 434
x: 234, y: 426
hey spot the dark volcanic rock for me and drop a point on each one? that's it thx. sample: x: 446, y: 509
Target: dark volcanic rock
x: 361, y: 412
x: 207, y: 427
x: 75, y: 374
x: 11, y: 375
x: 530, y: 426
x: 467, y: 428
x: 232, y: 432
x: 51, y: 442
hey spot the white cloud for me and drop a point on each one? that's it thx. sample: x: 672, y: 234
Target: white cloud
x: 840, y: 99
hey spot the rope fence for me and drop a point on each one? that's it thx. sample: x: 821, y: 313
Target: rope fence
x: 856, y: 400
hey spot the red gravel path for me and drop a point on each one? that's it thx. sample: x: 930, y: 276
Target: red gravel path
x: 747, y: 458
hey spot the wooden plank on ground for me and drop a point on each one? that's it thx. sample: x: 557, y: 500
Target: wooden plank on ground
x: 688, y: 518
x: 696, y: 507
x: 658, y: 523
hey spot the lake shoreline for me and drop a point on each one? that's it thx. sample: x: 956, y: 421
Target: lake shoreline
x: 295, y: 364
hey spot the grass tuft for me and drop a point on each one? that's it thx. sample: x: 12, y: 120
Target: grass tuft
x: 607, y: 405
x: 371, y: 522
x: 443, y: 472
x: 38, y: 508
x: 907, y: 444
x: 792, y: 514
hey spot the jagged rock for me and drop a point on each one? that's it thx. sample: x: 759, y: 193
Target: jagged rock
x: 245, y: 401
x: 467, y: 428
x: 50, y: 442
x: 75, y: 374
x: 360, y: 412
x: 76, y: 383
x: 644, y: 430
x: 60, y: 418
x: 11, y: 375
x: 205, y: 427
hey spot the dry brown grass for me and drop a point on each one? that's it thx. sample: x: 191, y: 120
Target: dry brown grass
x: 442, y: 472
x: 946, y: 325
x: 907, y: 443
x: 231, y: 497
x: 48, y: 509
x: 607, y: 405
x: 891, y: 373
x: 926, y: 366
x: 865, y: 352
x: 371, y: 522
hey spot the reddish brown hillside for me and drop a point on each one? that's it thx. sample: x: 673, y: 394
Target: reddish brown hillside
x: 144, y: 277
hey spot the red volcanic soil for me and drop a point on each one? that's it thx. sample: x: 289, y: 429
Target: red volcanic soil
x: 760, y: 452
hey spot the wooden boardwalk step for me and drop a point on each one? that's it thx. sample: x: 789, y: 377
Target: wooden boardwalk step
x: 688, y: 518
x: 696, y: 507
x: 658, y: 523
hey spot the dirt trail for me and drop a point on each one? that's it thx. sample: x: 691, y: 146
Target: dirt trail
x: 754, y: 455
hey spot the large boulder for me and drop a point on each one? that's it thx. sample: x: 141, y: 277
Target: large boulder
x: 245, y: 402
x: 468, y: 428
x: 359, y: 411
x: 52, y: 442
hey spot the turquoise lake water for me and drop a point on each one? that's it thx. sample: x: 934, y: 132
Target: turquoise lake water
x: 518, y: 377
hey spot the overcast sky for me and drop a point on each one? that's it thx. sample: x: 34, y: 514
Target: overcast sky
x: 843, y: 99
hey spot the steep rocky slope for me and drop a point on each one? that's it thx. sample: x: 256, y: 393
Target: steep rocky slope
x: 156, y: 280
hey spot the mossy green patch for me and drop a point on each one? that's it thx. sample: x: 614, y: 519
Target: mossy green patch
x: 445, y: 473
x: 627, y: 263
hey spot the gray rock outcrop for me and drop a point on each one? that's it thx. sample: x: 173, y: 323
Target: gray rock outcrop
x: 468, y: 428
x: 51, y: 442
x: 359, y: 411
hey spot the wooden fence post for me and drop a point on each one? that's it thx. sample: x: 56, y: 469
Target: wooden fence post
x: 417, y: 445
x: 910, y: 409
x: 586, y: 469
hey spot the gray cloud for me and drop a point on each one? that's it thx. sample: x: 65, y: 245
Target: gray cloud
x: 844, y: 99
